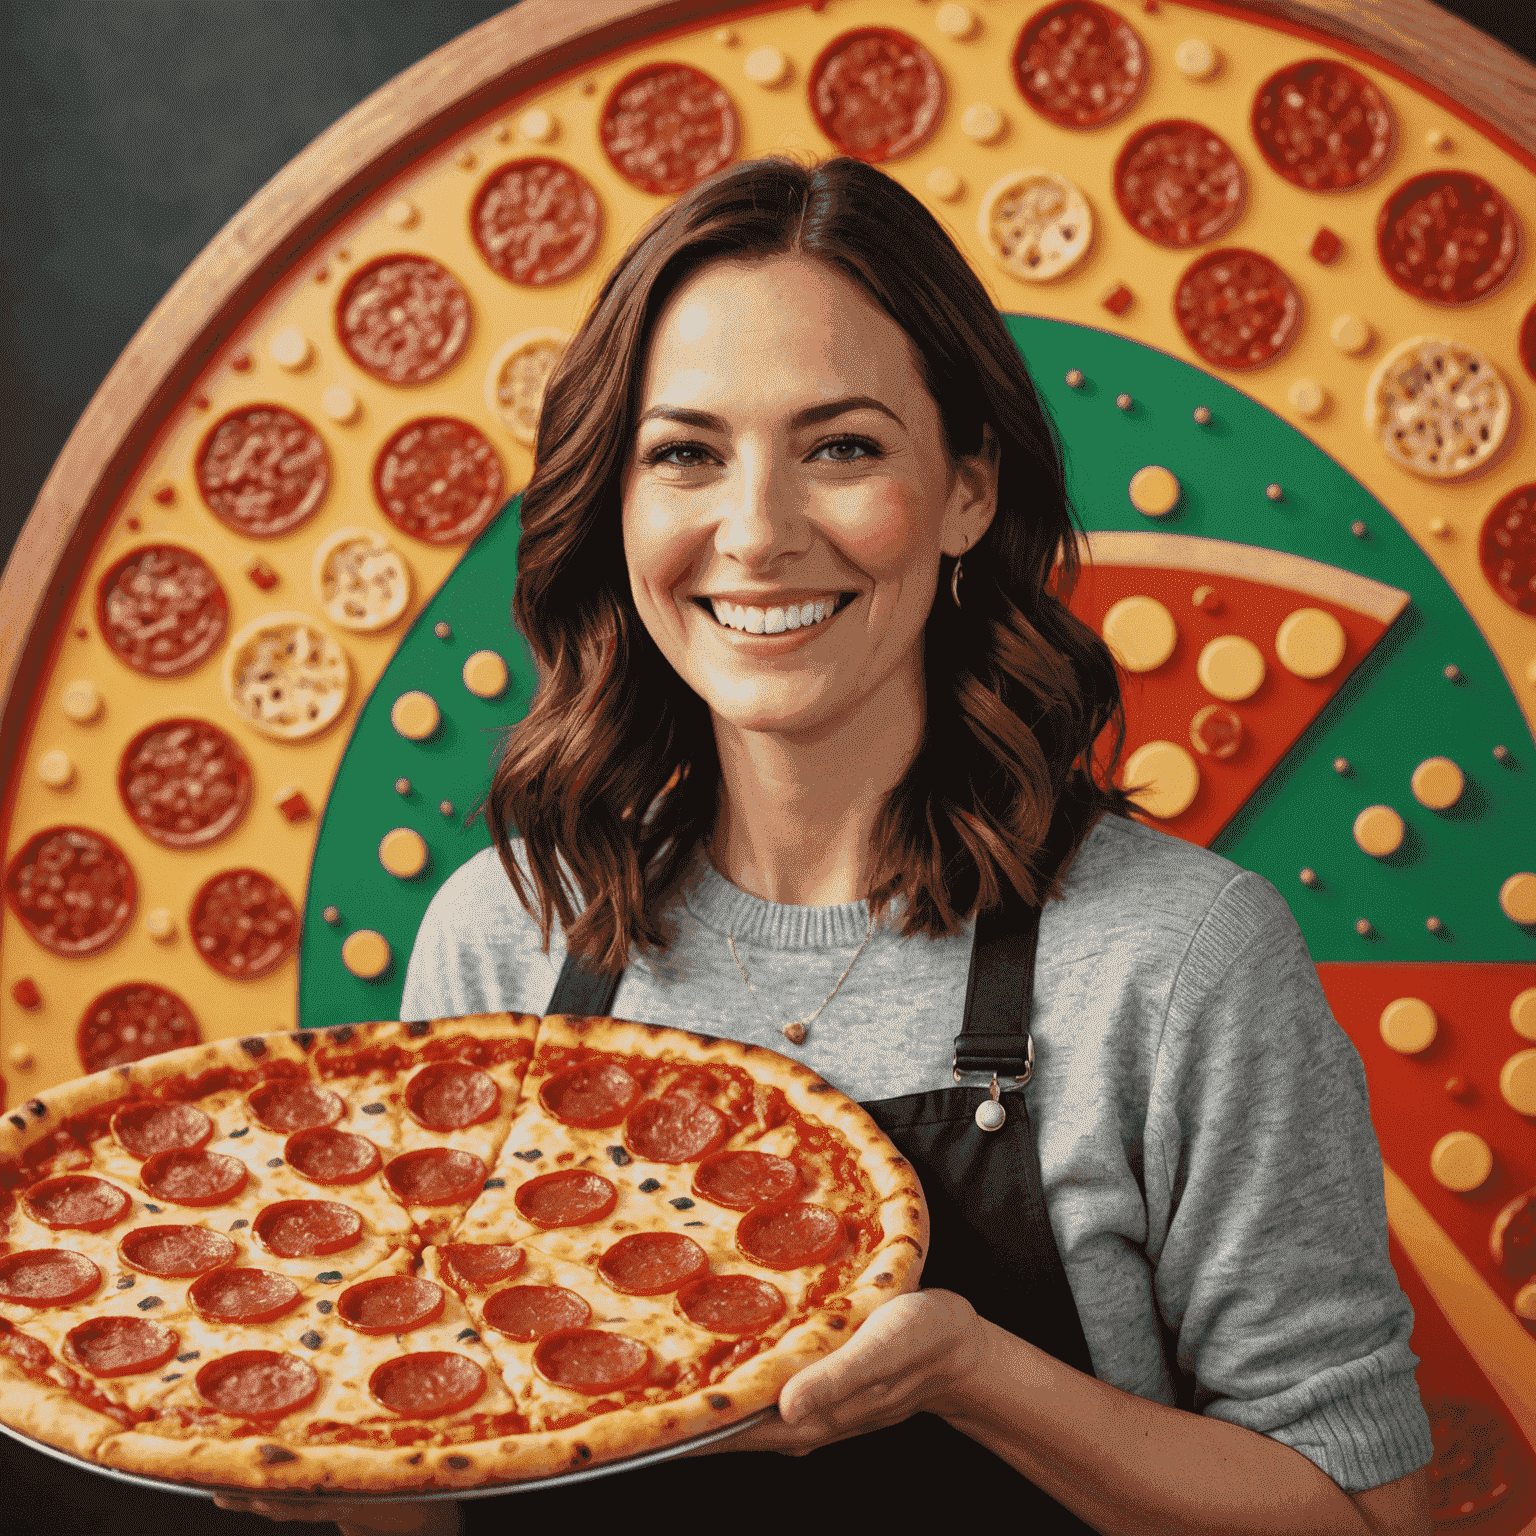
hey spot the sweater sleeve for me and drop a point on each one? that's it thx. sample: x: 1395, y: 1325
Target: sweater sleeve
x: 1267, y: 1217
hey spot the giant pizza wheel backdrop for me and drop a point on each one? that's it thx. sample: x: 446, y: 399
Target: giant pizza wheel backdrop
x: 1273, y: 277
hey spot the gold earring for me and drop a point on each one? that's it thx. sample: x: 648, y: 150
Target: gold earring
x: 954, y: 579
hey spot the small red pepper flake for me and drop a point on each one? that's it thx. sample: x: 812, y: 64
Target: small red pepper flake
x: 240, y: 362
x: 294, y: 806
x: 262, y: 574
x: 200, y: 401
x: 1149, y: 6
x: 132, y: 524
x: 321, y: 275
x: 1325, y: 245
x: 25, y: 992
x: 166, y: 495
x: 81, y: 632
x: 1119, y: 301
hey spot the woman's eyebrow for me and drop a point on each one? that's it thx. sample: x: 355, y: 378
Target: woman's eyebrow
x: 708, y: 422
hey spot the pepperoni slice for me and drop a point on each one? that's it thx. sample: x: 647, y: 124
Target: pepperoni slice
x: 651, y: 1263
x: 72, y: 890
x: 436, y: 1176
x: 404, y: 319
x: 1507, y: 548
x: 47, y: 1277
x: 120, y: 1346
x: 438, y: 479
x: 286, y: 1104
x: 590, y: 1361
x: 482, y: 1264
x: 450, y: 1095
x: 243, y: 1295
x: 1528, y: 341
x: 131, y: 1022
x: 193, y: 1178
x: 528, y: 1312
x: 566, y: 1199
x: 145, y: 1128
x: 185, y: 783
x: 390, y: 1304
x: 877, y: 93
x: 740, y: 1180
x: 1178, y: 183
x: 263, y: 471
x: 1237, y: 309
x: 1079, y: 64
x: 175, y: 1253
x: 536, y: 221
x: 79, y: 1201
x: 161, y: 610
x: 789, y: 1235
x: 257, y: 1384
x: 665, y: 127
x: 1322, y: 125
x: 427, y: 1385
x: 1447, y: 236
x: 302, y: 1229
x: 674, y: 1129
x: 731, y: 1303
x: 594, y: 1095
x: 243, y: 924
x: 325, y: 1156
x: 1475, y: 1459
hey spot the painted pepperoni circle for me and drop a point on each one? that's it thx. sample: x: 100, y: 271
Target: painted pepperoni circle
x: 175, y: 1253
x: 79, y: 1201
x: 674, y: 1129
x: 1322, y: 125
x: 1507, y: 548
x: 740, y: 1180
x: 566, y: 1199
x: 120, y: 1346
x: 450, y: 1095
x: 536, y: 221
x: 1474, y: 1459
x: 1237, y: 309
x: 326, y: 1156
x: 302, y: 1229
x: 436, y: 1176
x: 731, y: 1303
x: 193, y: 1178
x: 162, y: 610
x: 528, y: 1312
x: 286, y: 1105
x: 131, y: 1022
x: 590, y: 1361
x: 404, y: 319
x: 481, y: 1264
x: 592, y: 1096
x: 263, y: 471
x: 390, y: 1304
x: 667, y: 126
x: 1178, y: 183
x: 651, y: 1263
x: 185, y: 783
x: 1079, y: 65
x: 145, y: 1128
x: 47, y: 1277
x: 258, y: 1384
x: 877, y: 94
x: 1528, y: 341
x: 243, y: 1295
x: 427, y: 1385
x: 1447, y: 236
x: 789, y: 1234
x: 72, y: 890
x: 438, y: 479
x: 243, y: 924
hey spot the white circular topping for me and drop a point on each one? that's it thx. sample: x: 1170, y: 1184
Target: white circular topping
x: 1231, y: 668
x: 1351, y: 334
x: 339, y: 403
x: 1036, y: 224
x: 1308, y: 398
x: 1196, y: 58
x: 1310, y: 642
x: 1461, y: 1161
x: 537, y: 124
x: 289, y: 348
x: 1171, y: 777
x: 55, y: 769
x: 955, y: 21
x: 1437, y: 408
x: 361, y: 579
x: 159, y: 924
x: 515, y: 380
x: 944, y: 184
x: 766, y: 66
x: 982, y: 122
x: 1408, y: 1025
x: 286, y: 676
x: 82, y: 700
x: 1141, y: 633
x: 401, y: 214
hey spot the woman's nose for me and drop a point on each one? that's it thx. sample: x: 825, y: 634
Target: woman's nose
x: 760, y: 518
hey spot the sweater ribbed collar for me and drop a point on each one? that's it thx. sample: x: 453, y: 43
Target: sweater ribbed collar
x: 727, y: 909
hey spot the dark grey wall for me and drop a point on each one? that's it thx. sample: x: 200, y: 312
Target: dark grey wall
x: 131, y: 130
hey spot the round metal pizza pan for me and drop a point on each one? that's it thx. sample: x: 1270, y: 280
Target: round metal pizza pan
x: 484, y: 1491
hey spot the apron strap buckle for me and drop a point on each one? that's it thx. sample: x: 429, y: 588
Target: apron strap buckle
x: 978, y: 1068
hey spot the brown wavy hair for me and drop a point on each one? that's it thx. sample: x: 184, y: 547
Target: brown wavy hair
x: 613, y: 777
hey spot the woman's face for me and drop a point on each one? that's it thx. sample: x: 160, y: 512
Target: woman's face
x: 787, y: 498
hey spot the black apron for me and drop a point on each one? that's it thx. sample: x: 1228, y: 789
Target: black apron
x: 991, y: 1242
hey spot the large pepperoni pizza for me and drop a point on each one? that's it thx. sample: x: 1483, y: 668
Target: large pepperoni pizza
x: 433, y: 1255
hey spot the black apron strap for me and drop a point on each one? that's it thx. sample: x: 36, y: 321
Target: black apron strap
x: 583, y: 992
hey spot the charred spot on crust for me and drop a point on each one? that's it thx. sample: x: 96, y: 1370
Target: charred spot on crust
x: 649, y: 1186
x: 884, y: 1279
x: 413, y: 1461
x: 818, y: 1087
x: 418, y: 1027
x: 583, y: 1453
x: 837, y: 1324
x: 274, y: 1455
x: 18, y: 1122
x: 619, y: 1157
x: 38, y: 1108
x: 254, y: 1047
x: 458, y: 1463
x: 719, y: 1400
x: 340, y: 1035
x: 305, y: 1037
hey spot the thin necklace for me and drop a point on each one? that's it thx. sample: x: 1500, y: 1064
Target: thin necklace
x: 795, y: 1030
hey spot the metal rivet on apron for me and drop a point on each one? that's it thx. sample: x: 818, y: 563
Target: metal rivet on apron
x: 990, y: 1114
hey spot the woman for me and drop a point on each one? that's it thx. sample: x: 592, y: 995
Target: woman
x: 812, y: 712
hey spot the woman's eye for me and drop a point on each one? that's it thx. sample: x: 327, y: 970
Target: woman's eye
x: 679, y: 455
x: 849, y: 450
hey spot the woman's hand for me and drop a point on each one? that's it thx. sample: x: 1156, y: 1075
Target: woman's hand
x: 426, y: 1519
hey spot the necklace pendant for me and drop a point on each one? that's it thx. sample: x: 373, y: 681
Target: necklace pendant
x: 795, y: 1033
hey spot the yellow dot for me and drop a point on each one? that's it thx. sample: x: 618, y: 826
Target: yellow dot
x: 1195, y: 58
x: 1525, y: 1303
x: 339, y: 403
x: 1170, y: 775
x: 1517, y: 1082
x: 1351, y: 334
x: 1517, y: 896
x: 485, y: 674
x: 415, y: 715
x: 955, y: 21
x: 981, y: 121
x: 160, y: 925
x: 1461, y: 1161
x: 289, y: 348
x: 1308, y: 398
x: 401, y: 214
x: 943, y: 183
x: 1310, y: 642
x: 403, y: 852
x: 1154, y: 491
x: 1522, y: 1014
x: 766, y: 66
x: 1437, y: 782
x: 1379, y: 831
x: 1141, y: 633
x: 1408, y: 1025
x: 537, y: 124
x: 1231, y: 668
x: 55, y: 769
x: 82, y: 700
x: 365, y: 953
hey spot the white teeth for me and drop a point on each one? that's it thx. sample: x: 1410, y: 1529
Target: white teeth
x: 808, y: 614
x: 791, y: 617
x: 771, y: 621
x: 755, y: 620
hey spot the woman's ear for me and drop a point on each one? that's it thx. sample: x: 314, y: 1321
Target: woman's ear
x: 975, y: 500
